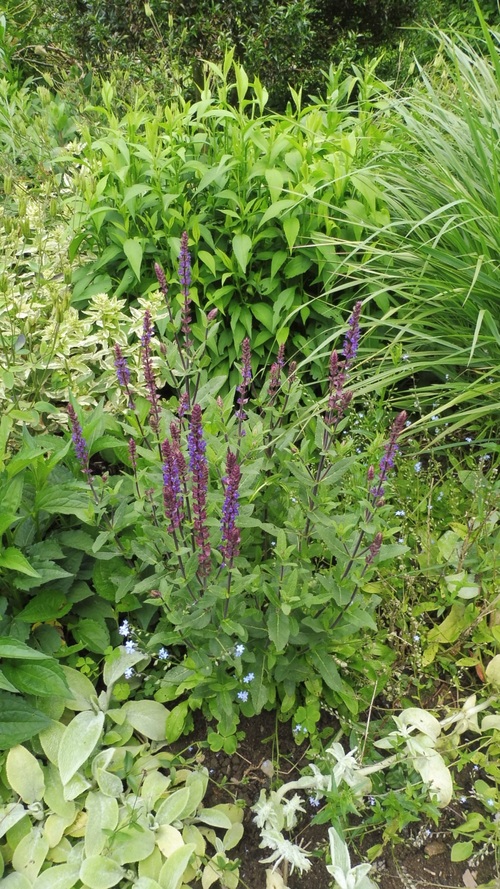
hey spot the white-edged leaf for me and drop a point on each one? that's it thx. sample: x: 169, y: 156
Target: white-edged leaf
x: 25, y: 775
x: 78, y: 742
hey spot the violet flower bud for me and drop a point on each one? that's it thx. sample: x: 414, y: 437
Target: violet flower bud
x: 80, y: 445
x: 123, y: 374
x: 374, y: 548
x: 149, y: 376
x: 161, y: 277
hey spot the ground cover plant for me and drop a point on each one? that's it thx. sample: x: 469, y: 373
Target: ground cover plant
x: 192, y: 551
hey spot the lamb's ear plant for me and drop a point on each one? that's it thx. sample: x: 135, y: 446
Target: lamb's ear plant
x: 99, y: 801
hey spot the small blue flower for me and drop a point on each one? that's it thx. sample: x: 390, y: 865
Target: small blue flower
x: 124, y: 629
x: 163, y: 654
x: 314, y: 802
x: 462, y: 800
x: 400, y: 512
x: 130, y: 646
x: 468, y: 439
x: 248, y: 678
x: 242, y: 696
x: 416, y: 637
x: 372, y: 801
x: 418, y: 466
x: 297, y: 729
x: 129, y: 672
x: 490, y: 802
x: 238, y: 650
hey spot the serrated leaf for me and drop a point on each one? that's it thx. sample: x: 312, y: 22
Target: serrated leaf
x: 99, y: 872
x: 20, y: 721
x: 132, y: 249
x: 25, y: 774
x: 78, y: 742
x: 242, y: 246
x: 13, y: 559
x: 45, y: 606
x: 93, y: 634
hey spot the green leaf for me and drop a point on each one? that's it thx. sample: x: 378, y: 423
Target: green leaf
x: 462, y: 851
x: 16, y: 881
x: 20, y: 721
x: 117, y: 662
x: 13, y: 559
x: 264, y: 313
x: 278, y: 625
x: 78, y: 742
x: 171, y: 808
x: 10, y: 815
x: 13, y: 648
x: 68, y: 499
x: 46, y: 678
x: 93, y: 634
x: 149, y: 718
x: 242, y: 246
x: 326, y: 668
x: 291, y: 226
x: 132, y: 844
x: 102, y: 814
x: 174, y: 867
x: 132, y: 249
x: 98, y: 872
x: 25, y: 775
x: 81, y: 689
x: 60, y: 876
x: 45, y: 606
x: 208, y: 259
x: 176, y: 721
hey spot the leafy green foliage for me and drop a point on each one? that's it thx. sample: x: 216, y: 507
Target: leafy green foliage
x: 98, y: 805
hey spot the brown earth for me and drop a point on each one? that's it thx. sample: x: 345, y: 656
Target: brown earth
x: 420, y: 861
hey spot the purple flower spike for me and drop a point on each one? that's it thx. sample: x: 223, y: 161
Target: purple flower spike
x: 81, y: 450
x: 374, y: 548
x: 149, y: 376
x: 390, y: 451
x: 123, y: 374
x: 172, y: 494
x: 230, y: 509
x: 199, y: 469
x: 161, y: 278
x: 132, y: 451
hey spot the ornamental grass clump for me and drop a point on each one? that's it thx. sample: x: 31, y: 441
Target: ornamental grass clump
x: 241, y: 531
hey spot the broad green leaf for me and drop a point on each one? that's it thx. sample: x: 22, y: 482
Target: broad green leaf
x: 16, y: 881
x: 25, y: 775
x: 81, y: 689
x: 462, y: 851
x: 46, y: 606
x: 147, y: 717
x: 208, y: 259
x: 93, y: 634
x: 168, y: 839
x: 242, y: 246
x: 276, y: 209
x: 214, y: 817
x: 20, y: 720
x: 78, y: 742
x: 174, y: 867
x: 30, y: 853
x: 45, y: 678
x: 278, y: 626
x: 132, y: 249
x: 67, y: 499
x: 60, y: 876
x: 13, y: 559
x: 264, y: 313
x: 6, y: 520
x: 99, y: 872
x: 131, y: 844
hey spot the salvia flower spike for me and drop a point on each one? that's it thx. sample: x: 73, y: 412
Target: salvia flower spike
x: 230, y: 509
x: 149, y: 376
x: 123, y: 374
x: 185, y: 281
x: 199, y: 471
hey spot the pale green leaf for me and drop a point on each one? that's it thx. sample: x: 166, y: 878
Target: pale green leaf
x: 117, y: 662
x: 30, y: 853
x: 214, y: 817
x: 60, y: 876
x: 25, y: 775
x: 132, y: 844
x: 168, y: 839
x: 78, y: 742
x: 462, y: 851
x: 174, y: 867
x: 149, y: 718
x: 102, y: 814
x: 10, y: 815
x: 171, y: 808
x: 99, y: 872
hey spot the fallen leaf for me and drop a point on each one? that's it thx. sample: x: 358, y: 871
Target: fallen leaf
x: 469, y: 881
x: 435, y: 848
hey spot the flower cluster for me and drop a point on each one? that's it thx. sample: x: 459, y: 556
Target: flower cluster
x: 79, y: 442
x: 149, y: 376
x: 338, y: 396
x: 172, y: 489
x: 185, y: 280
x: 230, y: 533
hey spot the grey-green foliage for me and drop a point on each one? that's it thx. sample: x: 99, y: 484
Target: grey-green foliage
x: 99, y: 802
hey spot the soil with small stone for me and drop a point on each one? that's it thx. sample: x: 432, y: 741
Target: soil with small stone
x: 241, y: 776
